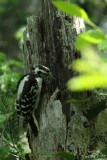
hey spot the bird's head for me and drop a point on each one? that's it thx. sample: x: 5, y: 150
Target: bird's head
x: 43, y: 72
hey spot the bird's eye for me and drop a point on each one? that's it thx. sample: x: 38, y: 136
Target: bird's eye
x: 48, y: 71
x: 39, y: 72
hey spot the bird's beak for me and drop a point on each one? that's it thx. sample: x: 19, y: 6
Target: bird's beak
x: 51, y: 76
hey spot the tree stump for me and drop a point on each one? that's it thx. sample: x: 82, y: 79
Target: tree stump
x: 49, y: 40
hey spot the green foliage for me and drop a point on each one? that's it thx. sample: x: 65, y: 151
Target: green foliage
x: 8, y: 78
x: 73, y: 9
x: 102, y: 46
x: 91, y: 75
x: 19, y: 34
x: 4, y: 117
x: 9, y: 130
x: 81, y: 100
x: 92, y: 6
x: 91, y: 37
x: 68, y: 156
x: 64, y: 155
x: 10, y: 148
x: 92, y: 72
x: 5, y: 5
x: 104, y: 151
x: 96, y: 109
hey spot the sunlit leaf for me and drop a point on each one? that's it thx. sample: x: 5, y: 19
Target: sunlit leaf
x: 84, y: 67
x: 89, y: 22
x: 90, y: 37
x: 19, y: 34
x: 87, y: 82
x: 90, y: 54
x: 89, y: 63
x: 71, y: 9
x: 92, y: 72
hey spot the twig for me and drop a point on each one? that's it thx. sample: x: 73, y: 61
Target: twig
x: 54, y: 95
x: 8, y: 121
x: 14, y: 155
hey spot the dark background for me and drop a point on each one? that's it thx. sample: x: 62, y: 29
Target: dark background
x: 13, y: 15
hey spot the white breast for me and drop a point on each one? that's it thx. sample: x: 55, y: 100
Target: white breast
x: 21, y: 86
x: 39, y: 82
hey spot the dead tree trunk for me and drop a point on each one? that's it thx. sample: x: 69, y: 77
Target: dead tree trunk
x: 50, y: 40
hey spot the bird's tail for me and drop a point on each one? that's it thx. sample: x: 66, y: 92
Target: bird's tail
x: 33, y: 126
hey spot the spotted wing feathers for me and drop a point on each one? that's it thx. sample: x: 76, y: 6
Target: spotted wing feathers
x: 26, y: 95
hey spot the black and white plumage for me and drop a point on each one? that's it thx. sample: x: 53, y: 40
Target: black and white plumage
x: 28, y: 92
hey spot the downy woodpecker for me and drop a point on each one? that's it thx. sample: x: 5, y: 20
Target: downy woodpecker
x: 28, y: 93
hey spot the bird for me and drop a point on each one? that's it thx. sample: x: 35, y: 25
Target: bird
x: 28, y: 94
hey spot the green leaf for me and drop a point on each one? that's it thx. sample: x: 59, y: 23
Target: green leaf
x: 80, y: 100
x: 104, y: 151
x: 90, y: 37
x: 89, y: 159
x: 4, y: 117
x: 103, y: 45
x: 80, y: 66
x: 15, y: 63
x: 92, y: 72
x: 48, y: 158
x: 4, y: 69
x: 65, y: 155
x: 19, y: 34
x: 71, y: 9
x: 96, y: 109
x: 4, y: 152
x: 2, y: 57
x: 89, y: 22
x: 87, y: 82
x: 102, y: 94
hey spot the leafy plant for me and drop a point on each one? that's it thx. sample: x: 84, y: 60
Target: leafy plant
x: 91, y: 67
x: 8, y: 78
x: 19, y: 34
x: 94, y: 36
x: 5, y: 5
x: 91, y: 75
x: 65, y: 155
x: 92, y: 71
x: 73, y: 9
x: 9, y: 130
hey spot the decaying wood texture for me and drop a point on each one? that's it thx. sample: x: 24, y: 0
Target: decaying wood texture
x: 50, y: 40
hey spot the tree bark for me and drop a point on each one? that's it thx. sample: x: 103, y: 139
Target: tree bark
x: 50, y: 40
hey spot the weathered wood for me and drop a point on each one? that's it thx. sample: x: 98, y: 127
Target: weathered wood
x: 50, y: 40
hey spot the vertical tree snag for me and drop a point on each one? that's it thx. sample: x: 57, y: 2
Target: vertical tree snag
x: 50, y: 40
